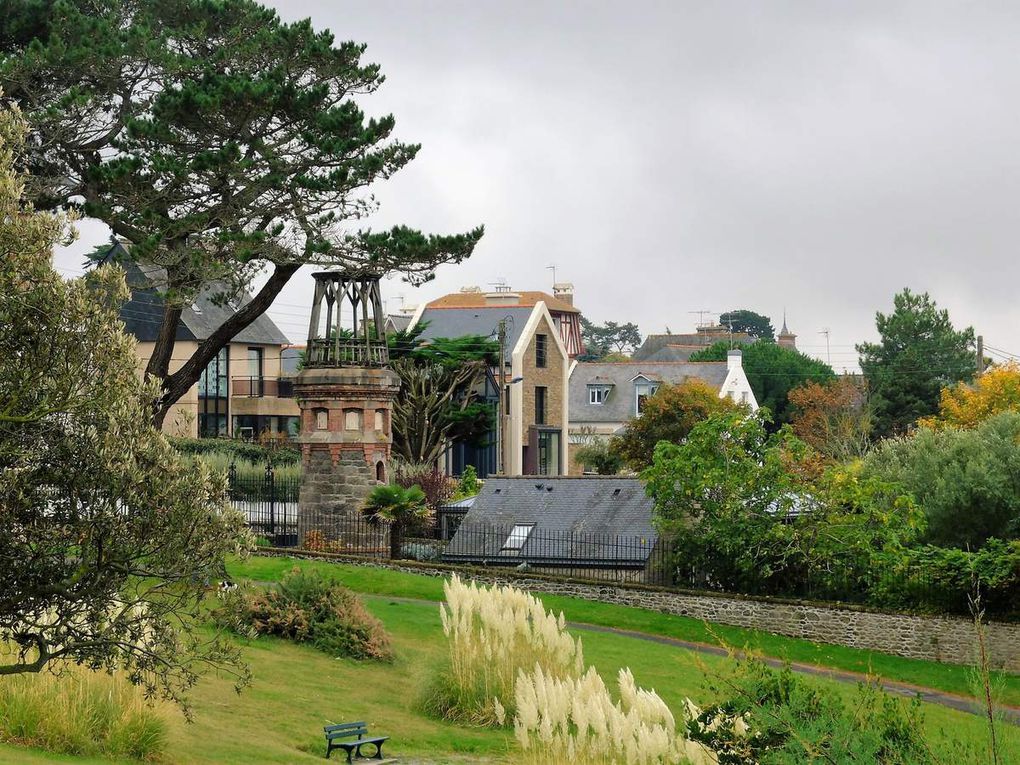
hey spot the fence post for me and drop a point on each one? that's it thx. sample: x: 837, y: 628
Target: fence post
x: 271, y: 485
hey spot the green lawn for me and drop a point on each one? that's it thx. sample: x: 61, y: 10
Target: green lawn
x: 944, y: 677
x: 297, y: 689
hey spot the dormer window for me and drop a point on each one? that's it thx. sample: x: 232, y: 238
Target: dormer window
x: 597, y: 394
x: 642, y: 392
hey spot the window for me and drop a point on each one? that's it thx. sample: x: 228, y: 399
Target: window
x: 644, y: 392
x: 518, y: 536
x: 212, y: 394
x: 548, y: 453
x: 541, y: 350
x: 540, y: 395
x: 597, y: 394
x: 743, y: 397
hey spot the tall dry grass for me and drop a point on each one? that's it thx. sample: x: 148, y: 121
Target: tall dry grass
x: 493, y: 633
x: 576, y: 720
x: 82, y: 712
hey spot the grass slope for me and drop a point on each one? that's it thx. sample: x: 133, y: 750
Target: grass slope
x: 945, y: 677
x: 297, y: 689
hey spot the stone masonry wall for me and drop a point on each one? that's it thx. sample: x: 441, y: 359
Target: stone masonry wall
x: 332, y: 496
x: 934, y: 638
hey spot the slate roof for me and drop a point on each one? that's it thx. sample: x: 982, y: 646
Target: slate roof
x: 458, y: 322
x: 654, y: 344
x: 589, y: 520
x: 526, y: 299
x: 619, y: 406
x: 143, y: 312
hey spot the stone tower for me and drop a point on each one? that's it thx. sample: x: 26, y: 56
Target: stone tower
x: 786, y: 338
x: 345, y: 391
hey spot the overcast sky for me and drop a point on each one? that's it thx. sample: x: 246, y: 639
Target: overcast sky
x: 681, y: 156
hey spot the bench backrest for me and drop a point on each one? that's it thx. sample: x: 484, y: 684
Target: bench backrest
x: 345, y: 730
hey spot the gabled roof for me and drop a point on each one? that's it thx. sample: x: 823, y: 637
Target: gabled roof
x: 459, y: 322
x: 576, y: 519
x: 143, y: 313
x: 622, y: 375
x: 525, y: 298
x: 682, y: 346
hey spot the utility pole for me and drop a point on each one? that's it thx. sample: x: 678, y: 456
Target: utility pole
x: 502, y: 398
x: 553, y: 269
x: 824, y: 331
x: 980, y: 360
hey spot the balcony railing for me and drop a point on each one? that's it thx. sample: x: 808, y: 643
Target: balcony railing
x: 344, y: 352
x: 262, y: 387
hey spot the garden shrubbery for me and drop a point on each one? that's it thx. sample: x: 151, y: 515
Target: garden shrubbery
x: 81, y: 712
x: 307, y: 608
x: 241, y: 451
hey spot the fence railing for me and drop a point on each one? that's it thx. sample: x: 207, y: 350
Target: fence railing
x: 270, y: 504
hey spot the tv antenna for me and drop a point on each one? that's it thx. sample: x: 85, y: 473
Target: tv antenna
x: 701, y: 315
x: 828, y: 356
x: 500, y: 285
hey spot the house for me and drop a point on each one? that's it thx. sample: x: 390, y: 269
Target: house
x: 564, y: 524
x: 670, y: 347
x: 243, y: 391
x: 565, y: 317
x: 536, y: 366
x: 604, y: 396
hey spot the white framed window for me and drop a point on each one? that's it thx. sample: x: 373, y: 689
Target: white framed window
x: 597, y: 394
x: 643, y: 392
x: 518, y: 536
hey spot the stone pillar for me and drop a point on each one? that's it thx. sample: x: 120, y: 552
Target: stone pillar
x: 346, y: 436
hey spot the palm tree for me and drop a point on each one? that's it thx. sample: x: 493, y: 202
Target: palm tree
x: 397, y: 506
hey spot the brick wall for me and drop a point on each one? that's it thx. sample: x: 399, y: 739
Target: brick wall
x: 551, y: 376
x: 934, y: 638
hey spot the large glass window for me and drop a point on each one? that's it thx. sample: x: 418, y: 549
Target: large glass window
x: 540, y: 397
x: 518, y: 536
x: 548, y: 452
x: 644, y: 392
x: 212, y: 397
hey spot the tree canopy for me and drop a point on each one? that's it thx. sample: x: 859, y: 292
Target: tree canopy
x: 967, y: 481
x: 966, y: 405
x: 221, y: 142
x: 919, y: 352
x: 602, y: 340
x: 833, y: 417
x: 773, y: 371
x: 109, y: 537
x: 669, y: 415
x: 754, y: 324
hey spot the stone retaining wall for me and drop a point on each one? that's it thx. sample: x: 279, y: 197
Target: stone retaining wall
x: 934, y: 638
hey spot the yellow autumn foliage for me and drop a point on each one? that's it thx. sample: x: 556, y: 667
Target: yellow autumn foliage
x: 966, y: 405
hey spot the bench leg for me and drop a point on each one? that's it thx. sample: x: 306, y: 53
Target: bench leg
x: 378, y: 751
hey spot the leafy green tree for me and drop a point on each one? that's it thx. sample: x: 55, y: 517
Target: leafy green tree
x: 773, y: 371
x: 223, y: 144
x: 669, y: 415
x: 601, y: 340
x: 918, y: 354
x: 747, y: 510
x: 438, y: 400
x: 110, y: 537
x: 598, y: 455
x: 398, y: 508
x: 966, y: 480
x: 754, y: 324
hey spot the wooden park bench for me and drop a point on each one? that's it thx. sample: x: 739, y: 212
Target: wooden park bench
x: 335, y: 734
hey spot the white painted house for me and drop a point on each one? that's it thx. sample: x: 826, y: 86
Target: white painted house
x: 604, y: 396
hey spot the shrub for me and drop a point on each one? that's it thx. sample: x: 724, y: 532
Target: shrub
x: 80, y: 712
x: 493, y: 633
x: 938, y: 578
x: 307, y: 608
x: 791, y: 720
x: 420, y: 551
x: 242, y: 451
x: 576, y: 720
x: 598, y: 456
x: 436, y: 485
x: 468, y: 485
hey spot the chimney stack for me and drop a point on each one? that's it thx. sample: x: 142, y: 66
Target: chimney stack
x: 734, y: 359
x: 564, y: 291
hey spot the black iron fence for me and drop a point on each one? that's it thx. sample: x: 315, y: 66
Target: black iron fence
x: 270, y: 504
